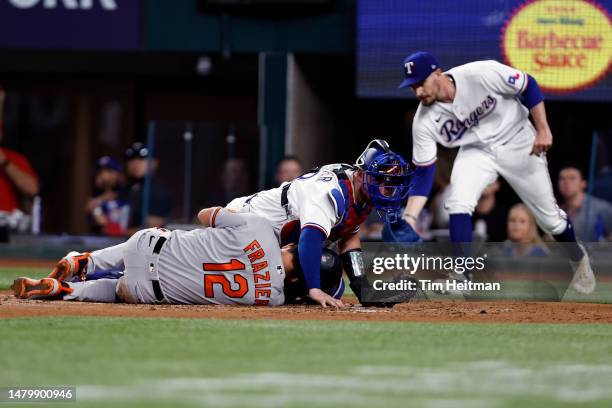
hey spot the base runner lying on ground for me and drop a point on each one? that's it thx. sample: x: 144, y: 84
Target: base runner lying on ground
x: 237, y: 261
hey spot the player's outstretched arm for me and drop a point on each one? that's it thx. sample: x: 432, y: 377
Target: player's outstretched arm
x: 323, y: 298
x: 205, y: 215
x: 220, y: 217
x: 533, y: 98
x: 310, y: 248
x: 413, y: 208
x: 544, y: 139
x: 420, y: 187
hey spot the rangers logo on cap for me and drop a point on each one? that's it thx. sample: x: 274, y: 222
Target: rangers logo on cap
x: 418, y: 67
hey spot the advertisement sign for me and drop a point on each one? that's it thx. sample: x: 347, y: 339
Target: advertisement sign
x: 565, y: 44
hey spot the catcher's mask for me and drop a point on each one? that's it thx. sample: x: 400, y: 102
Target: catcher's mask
x: 331, y: 277
x: 386, y: 177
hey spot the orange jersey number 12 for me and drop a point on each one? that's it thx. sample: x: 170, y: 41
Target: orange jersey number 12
x: 217, y: 278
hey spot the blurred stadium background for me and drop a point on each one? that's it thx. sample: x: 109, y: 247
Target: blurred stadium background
x: 220, y: 91
x: 208, y: 82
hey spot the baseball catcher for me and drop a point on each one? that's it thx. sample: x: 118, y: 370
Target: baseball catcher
x: 327, y: 205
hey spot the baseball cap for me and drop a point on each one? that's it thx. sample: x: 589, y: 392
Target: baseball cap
x: 137, y: 151
x: 107, y: 162
x: 417, y: 67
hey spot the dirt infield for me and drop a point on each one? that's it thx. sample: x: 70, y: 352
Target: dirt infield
x: 424, y: 311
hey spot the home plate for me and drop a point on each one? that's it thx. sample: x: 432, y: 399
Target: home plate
x: 361, y: 309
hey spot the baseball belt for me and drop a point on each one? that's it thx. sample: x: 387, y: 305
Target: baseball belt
x: 159, y: 295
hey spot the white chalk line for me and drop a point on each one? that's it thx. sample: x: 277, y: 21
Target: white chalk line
x: 475, y: 384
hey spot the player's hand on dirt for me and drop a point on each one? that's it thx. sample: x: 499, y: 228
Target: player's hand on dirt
x: 543, y: 142
x: 323, y: 298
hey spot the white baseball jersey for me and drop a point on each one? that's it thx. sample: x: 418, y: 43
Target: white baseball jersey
x: 491, y: 126
x: 237, y: 261
x: 315, y: 199
x: 485, y: 110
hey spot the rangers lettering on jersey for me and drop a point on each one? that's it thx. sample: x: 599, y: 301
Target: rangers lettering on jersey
x: 484, y: 110
x: 454, y: 129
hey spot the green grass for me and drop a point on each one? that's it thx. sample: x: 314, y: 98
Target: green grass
x: 205, y: 362
x: 7, y: 275
x: 524, y: 290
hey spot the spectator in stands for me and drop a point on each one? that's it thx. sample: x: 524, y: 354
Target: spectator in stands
x: 17, y: 178
x: 523, y: 233
x: 108, y: 213
x: 490, y: 214
x: 160, y: 201
x: 289, y: 168
x: 572, y: 187
x: 235, y: 179
x: 232, y: 181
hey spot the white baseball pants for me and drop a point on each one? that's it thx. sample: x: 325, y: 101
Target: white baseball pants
x: 478, y: 166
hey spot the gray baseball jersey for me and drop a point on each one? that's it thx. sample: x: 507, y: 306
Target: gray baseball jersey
x: 237, y: 261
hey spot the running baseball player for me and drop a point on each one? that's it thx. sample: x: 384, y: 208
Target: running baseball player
x: 236, y: 261
x: 329, y: 203
x: 483, y: 107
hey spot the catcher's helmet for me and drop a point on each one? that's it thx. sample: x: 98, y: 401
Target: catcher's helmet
x: 386, y: 177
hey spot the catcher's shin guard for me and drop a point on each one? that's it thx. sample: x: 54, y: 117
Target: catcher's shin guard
x: 45, y: 288
x: 73, y: 264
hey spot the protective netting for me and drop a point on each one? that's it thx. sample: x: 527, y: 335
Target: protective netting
x: 203, y: 164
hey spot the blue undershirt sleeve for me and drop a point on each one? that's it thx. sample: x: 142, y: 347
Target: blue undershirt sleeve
x: 532, y: 95
x: 310, y: 249
x: 422, y: 180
